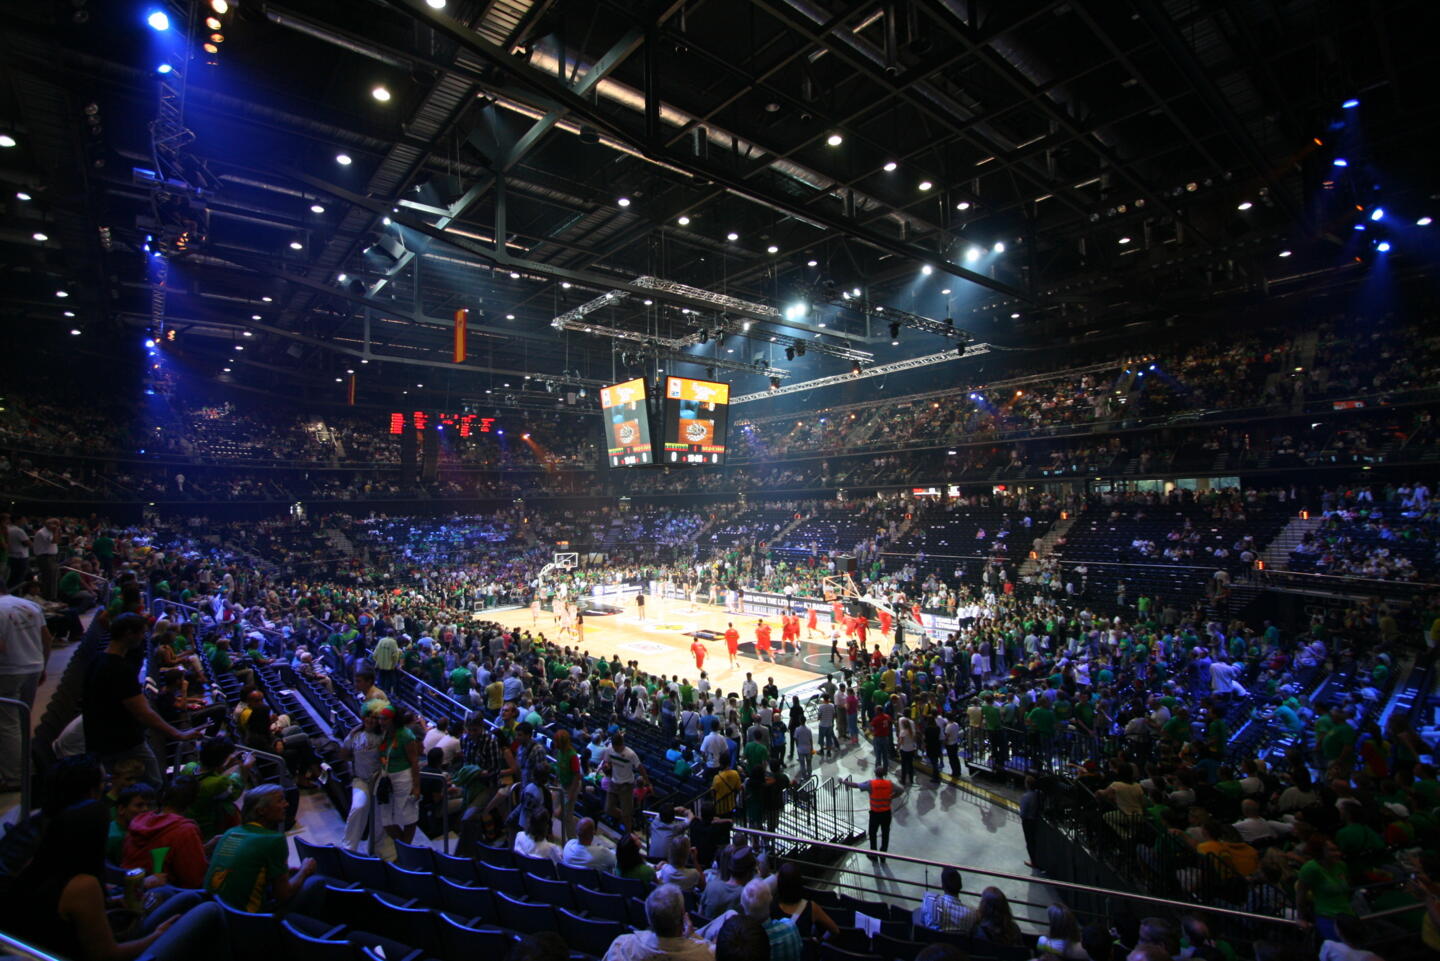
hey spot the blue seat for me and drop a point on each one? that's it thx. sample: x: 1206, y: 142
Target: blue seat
x: 471, y: 902
x: 523, y: 916
x: 598, y: 904
x: 545, y: 891
x: 586, y: 876
x: 500, y: 857
x: 474, y: 944
x: 630, y: 887
x: 509, y: 880
x: 591, y: 936
x: 259, y: 932
x: 540, y: 867
x: 414, y: 857
x: 463, y: 870
x: 299, y: 945
x: 421, y: 886
x: 328, y: 861
x: 368, y: 872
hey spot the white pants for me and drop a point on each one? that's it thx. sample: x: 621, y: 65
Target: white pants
x: 359, y: 816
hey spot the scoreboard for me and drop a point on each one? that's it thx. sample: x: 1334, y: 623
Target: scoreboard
x: 627, y: 424
x: 697, y: 416
x: 420, y: 420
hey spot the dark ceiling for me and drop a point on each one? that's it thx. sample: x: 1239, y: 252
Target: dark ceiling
x: 1107, y: 146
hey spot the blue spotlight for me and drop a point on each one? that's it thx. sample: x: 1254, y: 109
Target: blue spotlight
x: 1359, y: 226
x: 1340, y: 162
x: 1350, y: 104
x: 158, y: 20
x: 163, y: 69
x: 1377, y: 214
x: 1423, y: 222
x: 150, y: 344
x: 1383, y: 246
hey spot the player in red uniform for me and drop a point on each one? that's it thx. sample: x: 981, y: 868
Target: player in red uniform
x: 862, y: 624
x: 790, y: 634
x: 732, y: 642
x: 762, y: 642
x: 837, y: 614
x: 812, y: 623
x: 698, y: 649
x: 886, y: 622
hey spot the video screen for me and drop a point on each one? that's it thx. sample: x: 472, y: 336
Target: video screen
x: 627, y: 424
x: 697, y: 414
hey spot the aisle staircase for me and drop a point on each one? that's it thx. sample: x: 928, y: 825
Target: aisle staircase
x: 1277, y: 553
x: 1047, y: 544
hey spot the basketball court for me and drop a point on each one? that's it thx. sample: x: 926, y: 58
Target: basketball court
x: 661, y: 642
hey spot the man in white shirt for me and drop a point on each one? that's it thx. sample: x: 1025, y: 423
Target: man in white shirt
x: 584, y: 850
x: 46, y: 545
x: 24, y: 652
x: 18, y: 547
x: 1253, y: 827
x: 716, y: 749
x: 670, y: 936
x: 622, y: 766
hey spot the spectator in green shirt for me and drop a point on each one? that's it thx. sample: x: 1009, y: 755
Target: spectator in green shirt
x: 250, y: 868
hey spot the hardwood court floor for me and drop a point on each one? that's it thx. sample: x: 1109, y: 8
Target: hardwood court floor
x: 661, y: 645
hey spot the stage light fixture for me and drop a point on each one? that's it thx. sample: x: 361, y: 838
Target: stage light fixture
x: 973, y: 254
x: 62, y: 294
x: 894, y: 334
x: 209, y: 48
x: 855, y: 368
x: 381, y: 93
x: 74, y: 331
x: 69, y: 313
x: 774, y: 383
x: 317, y: 208
x: 41, y: 237
x: 212, y: 23
x: 246, y: 333
x: 683, y: 221
x: 789, y: 353
x: 812, y: 263
x: 772, y: 249
x: 436, y: 4
x: 732, y: 236
x: 1244, y: 205
x: 1284, y: 253
x: 22, y: 195
x: 834, y: 140
x: 1123, y: 240
x: 1383, y: 246
x: 927, y: 270
x: 623, y: 202
x: 1350, y: 104
x: 6, y: 140
x: 925, y: 185
x: 945, y: 291
x: 963, y: 205
x: 1378, y: 213
x: 1340, y: 162
x: 163, y: 69
x: 509, y: 316
x: 158, y: 20
x: 221, y: 7
x: 1423, y: 222
x: 999, y: 247
x: 296, y: 245
x: 343, y: 159
x: 217, y: 38
x: 890, y: 167
x: 796, y: 310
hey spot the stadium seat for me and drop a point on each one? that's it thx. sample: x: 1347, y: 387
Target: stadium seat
x: 300, y: 946
x: 328, y: 861
x: 629, y: 887
x: 474, y: 944
x: 464, y: 870
x: 540, y: 867
x: 414, y: 857
x: 829, y: 952
x: 593, y: 936
x: 259, y: 932
x: 586, y: 876
x: 368, y: 872
x: 895, y: 948
x: 509, y: 880
x: 500, y: 857
x: 545, y: 891
x: 422, y: 886
x: 470, y: 902
x: 598, y: 904
x: 523, y: 916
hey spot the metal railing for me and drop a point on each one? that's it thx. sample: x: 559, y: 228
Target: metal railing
x: 1186, y: 907
x: 23, y: 710
x: 13, y: 947
x: 102, y: 598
